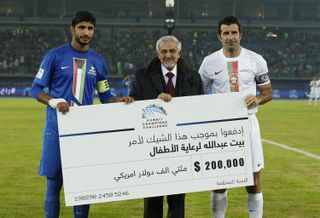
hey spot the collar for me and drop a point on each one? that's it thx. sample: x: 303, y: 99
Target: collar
x: 165, y: 70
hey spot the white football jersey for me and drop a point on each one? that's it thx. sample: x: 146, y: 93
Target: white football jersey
x: 239, y: 74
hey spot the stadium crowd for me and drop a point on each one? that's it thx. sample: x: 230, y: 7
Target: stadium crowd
x: 127, y: 49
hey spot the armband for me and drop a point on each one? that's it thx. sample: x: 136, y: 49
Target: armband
x: 262, y: 79
x: 102, y: 86
x: 53, y: 102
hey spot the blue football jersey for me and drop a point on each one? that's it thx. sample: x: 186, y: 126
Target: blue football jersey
x: 74, y: 76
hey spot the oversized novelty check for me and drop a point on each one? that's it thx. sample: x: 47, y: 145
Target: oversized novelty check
x: 150, y: 148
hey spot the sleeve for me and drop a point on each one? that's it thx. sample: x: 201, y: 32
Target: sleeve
x: 136, y: 91
x: 42, y: 78
x: 46, y: 68
x: 35, y: 90
x: 103, y: 87
x: 206, y: 81
x: 262, y: 76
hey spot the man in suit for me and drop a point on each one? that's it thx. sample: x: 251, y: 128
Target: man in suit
x: 166, y: 76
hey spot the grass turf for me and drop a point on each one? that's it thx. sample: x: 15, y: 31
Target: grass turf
x: 290, y: 181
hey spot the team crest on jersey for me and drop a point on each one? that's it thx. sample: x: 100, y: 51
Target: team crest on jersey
x: 92, y: 71
x: 234, y: 79
x: 233, y: 76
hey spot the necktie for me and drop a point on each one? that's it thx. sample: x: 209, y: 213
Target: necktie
x: 170, y: 86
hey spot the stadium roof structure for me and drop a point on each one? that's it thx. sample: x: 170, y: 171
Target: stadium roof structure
x: 284, y: 13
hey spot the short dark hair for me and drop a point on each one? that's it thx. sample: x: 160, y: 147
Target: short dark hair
x: 228, y: 21
x: 83, y: 16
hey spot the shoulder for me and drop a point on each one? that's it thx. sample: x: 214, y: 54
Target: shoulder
x: 253, y: 56
x: 57, y: 52
x: 94, y: 53
x: 141, y: 71
x: 154, y: 66
x: 212, y: 57
x: 61, y: 49
x: 140, y: 74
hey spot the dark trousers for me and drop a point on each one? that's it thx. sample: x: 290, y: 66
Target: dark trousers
x: 153, y: 207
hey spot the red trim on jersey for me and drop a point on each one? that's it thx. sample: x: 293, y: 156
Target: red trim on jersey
x: 75, y: 74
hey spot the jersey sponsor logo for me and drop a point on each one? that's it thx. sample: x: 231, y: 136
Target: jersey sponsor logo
x: 92, y: 71
x: 216, y: 73
x: 63, y: 68
x: 40, y: 73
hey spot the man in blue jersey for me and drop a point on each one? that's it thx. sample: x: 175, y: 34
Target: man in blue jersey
x: 72, y: 73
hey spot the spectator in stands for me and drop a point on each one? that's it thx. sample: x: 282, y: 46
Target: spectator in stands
x: 295, y: 56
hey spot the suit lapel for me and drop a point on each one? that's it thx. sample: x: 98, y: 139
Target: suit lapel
x: 158, y: 81
x: 179, y: 84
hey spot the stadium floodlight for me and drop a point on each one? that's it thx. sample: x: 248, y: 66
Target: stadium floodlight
x: 169, y: 3
x: 169, y: 21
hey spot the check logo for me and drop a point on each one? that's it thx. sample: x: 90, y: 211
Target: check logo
x: 216, y: 73
x: 62, y: 68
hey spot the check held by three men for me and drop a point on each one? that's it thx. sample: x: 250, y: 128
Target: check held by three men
x: 150, y: 148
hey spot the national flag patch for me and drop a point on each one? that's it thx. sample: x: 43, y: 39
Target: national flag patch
x: 233, y: 72
x: 79, y: 77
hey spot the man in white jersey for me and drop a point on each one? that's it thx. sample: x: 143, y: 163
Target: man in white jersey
x: 314, y: 94
x: 318, y: 85
x: 237, y: 69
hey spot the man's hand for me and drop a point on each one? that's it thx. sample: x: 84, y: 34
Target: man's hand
x: 264, y: 96
x: 251, y: 101
x: 164, y: 96
x: 125, y: 99
x: 60, y: 104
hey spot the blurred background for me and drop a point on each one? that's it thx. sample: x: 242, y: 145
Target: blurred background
x: 286, y: 33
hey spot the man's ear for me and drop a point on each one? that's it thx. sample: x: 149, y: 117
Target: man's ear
x: 219, y: 37
x: 71, y: 29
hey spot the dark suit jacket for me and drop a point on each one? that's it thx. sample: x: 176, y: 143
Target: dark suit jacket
x: 149, y: 81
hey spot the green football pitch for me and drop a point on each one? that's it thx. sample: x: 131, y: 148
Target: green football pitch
x: 290, y: 180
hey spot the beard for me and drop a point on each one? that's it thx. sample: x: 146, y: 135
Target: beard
x: 83, y: 40
x: 169, y: 64
x: 231, y: 46
x: 231, y: 49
